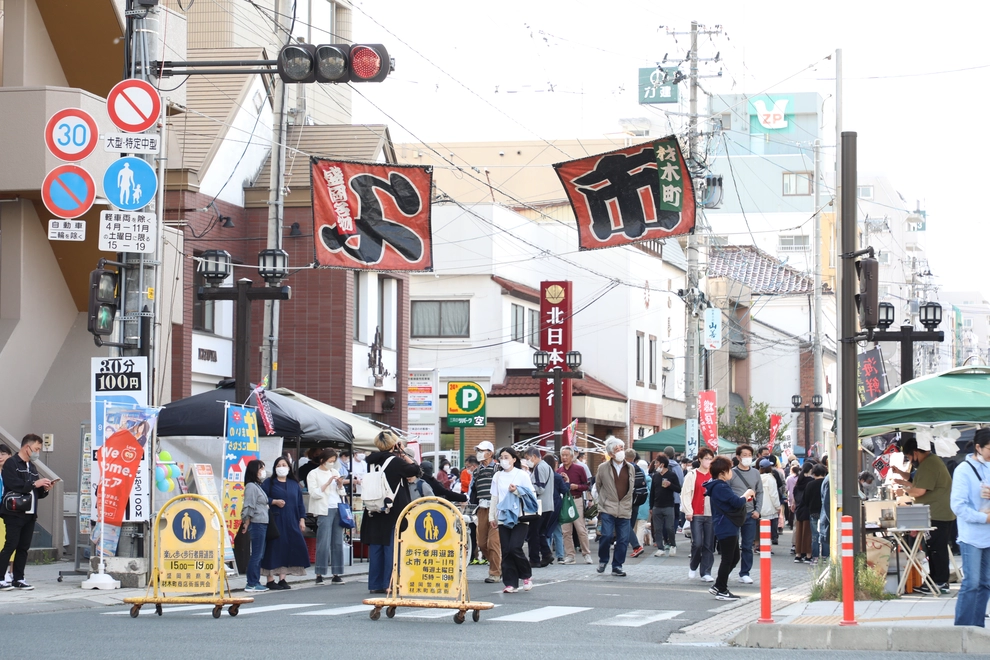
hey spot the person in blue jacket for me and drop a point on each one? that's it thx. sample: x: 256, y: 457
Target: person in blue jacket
x: 724, y: 505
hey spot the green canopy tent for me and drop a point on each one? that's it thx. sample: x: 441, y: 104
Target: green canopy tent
x: 676, y: 438
x: 956, y: 396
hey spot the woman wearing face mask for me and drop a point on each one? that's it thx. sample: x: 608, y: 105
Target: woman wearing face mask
x: 286, y: 555
x: 698, y: 514
x: 725, y: 503
x: 508, y: 488
x: 326, y: 491
x: 254, y: 522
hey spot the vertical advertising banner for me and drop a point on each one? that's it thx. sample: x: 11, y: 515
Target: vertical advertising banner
x: 871, y: 378
x: 713, y: 328
x: 241, y: 447
x: 708, y: 418
x: 555, y: 339
x: 774, y: 428
x: 691, y: 439
x: 423, y: 391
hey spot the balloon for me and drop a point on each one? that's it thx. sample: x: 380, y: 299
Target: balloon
x: 162, y: 485
x: 159, y: 473
x: 174, y: 471
x: 164, y: 457
x: 170, y: 483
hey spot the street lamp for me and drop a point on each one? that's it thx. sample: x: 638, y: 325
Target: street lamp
x: 886, y: 316
x: 815, y: 407
x: 273, y: 265
x: 930, y: 314
x: 541, y: 360
x: 215, y: 267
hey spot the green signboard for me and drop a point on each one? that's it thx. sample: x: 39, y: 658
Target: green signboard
x: 657, y: 85
x: 466, y: 405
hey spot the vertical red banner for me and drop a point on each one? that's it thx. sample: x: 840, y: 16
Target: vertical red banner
x: 708, y: 418
x: 774, y: 427
x: 555, y: 339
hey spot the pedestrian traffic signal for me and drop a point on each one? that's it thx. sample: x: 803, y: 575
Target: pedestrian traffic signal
x: 333, y: 63
x: 103, y: 301
x: 868, y: 299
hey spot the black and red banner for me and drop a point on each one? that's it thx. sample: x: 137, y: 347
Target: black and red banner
x: 372, y: 216
x: 638, y: 193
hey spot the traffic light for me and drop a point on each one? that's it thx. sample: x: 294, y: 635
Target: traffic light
x: 868, y: 299
x: 103, y: 301
x: 333, y: 63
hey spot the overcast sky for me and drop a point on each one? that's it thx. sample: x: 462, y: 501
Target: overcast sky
x: 915, y: 86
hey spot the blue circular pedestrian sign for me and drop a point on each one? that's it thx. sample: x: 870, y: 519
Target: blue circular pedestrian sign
x: 189, y: 525
x: 130, y: 183
x: 431, y: 525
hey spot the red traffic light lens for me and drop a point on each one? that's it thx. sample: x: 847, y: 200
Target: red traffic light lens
x: 365, y: 62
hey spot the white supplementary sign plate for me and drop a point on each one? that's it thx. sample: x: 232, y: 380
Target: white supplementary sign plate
x: 130, y: 143
x: 66, y: 230
x: 121, y: 231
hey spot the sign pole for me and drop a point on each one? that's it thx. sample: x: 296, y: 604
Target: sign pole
x: 461, y: 456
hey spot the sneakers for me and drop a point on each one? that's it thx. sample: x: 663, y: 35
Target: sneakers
x: 509, y: 590
x: 282, y: 584
x: 659, y: 553
x: 492, y: 579
x: 256, y: 589
x: 726, y: 595
x: 921, y: 589
x: 713, y: 591
x: 601, y: 568
x: 671, y: 552
x: 319, y: 580
x: 798, y: 559
x: 336, y: 579
x: 21, y: 585
x: 6, y: 586
x: 587, y: 559
x: 637, y: 552
x: 568, y: 560
x: 527, y: 584
x: 618, y: 572
x: 475, y: 562
x: 692, y: 574
x: 745, y: 579
x: 707, y: 578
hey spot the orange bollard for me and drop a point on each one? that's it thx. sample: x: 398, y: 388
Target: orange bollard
x: 765, y: 613
x: 848, y: 574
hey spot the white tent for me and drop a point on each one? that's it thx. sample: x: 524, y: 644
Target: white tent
x: 364, y: 430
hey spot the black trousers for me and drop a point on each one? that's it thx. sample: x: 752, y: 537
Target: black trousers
x: 536, y: 539
x: 938, y: 550
x: 20, y: 530
x: 515, y: 565
x: 474, y: 541
x: 728, y: 548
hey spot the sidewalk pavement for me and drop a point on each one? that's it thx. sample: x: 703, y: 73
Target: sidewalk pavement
x: 50, y: 595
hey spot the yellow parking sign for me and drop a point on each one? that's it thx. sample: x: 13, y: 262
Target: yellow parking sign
x: 466, y: 404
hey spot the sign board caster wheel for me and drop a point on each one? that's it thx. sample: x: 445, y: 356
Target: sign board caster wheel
x: 459, y: 617
x: 158, y: 609
x: 390, y: 611
x: 234, y: 609
x: 476, y: 616
x: 59, y: 578
x: 375, y: 614
x: 135, y: 609
x: 217, y: 611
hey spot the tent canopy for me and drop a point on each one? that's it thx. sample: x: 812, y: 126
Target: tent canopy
x: 960, y: 396
x: 203, y: 415
x: 363, y: 430
x: 675, y: 437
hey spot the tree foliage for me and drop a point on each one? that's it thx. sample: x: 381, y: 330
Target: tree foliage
x: 751, y: 424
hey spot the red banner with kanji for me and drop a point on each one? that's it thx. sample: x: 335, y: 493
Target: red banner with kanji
x: 371, y: 216
x: 555, y: 339
x: 774, y: 427
x: 871, y: 377
x: 118, y: 458
x: 644, y: 192
x: 708, y: 418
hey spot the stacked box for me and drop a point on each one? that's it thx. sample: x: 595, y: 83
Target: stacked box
x: 915, y: 516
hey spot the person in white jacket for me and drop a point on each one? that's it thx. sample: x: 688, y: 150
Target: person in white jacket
x: 698, y: 514
x: 771, y: 494
x: 326, y: 491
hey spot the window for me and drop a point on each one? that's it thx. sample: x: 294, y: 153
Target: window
x: 204, y: 311
x: 883, y: 257
x: 640, y: 357
x: 653, y: 362
x: 793, y: 243
x: 518, y: 323
x: 864, y: 192
x: 534, y: 328
x: 798, y: 183
x: 967, y: 323
x: 441, y: 318
x: 726, y: 121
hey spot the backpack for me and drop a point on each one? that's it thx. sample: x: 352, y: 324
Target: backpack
x: 376, y: 494
x: 640, y: 492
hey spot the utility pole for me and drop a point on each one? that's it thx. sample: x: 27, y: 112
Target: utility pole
x: 817, y: 342
x: 690, y: 309
x: 276, y: 190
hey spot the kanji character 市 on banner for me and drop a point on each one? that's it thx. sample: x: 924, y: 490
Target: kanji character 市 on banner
x: 372, y: 216
x: 708, y: 418
x: 633, y: 194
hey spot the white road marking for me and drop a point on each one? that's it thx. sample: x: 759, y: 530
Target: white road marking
x: 541, y: 614
x: 268, y: 608
x: 336, y: 611
x: 425, y: 613
x: 150, y: 609
x: 637, y: 618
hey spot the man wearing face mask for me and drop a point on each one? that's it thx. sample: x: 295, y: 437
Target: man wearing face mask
x: 744, y: 478
x: 932, y: 485
x: 19, y: 476
x: 541, y: 476
x: 480, y: 494
x: 616, y: 481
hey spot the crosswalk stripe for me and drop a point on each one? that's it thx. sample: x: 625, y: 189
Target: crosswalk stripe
x: 336, y: 611
x: 637, y: 618
x: 165, y: 610
x: 268, y: 608
x: 425, y: 613
x: 541, y: 614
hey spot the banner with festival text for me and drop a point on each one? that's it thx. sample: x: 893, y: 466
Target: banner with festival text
x: 774, y: 428
x: 708, y: 418
x: 241, y: 446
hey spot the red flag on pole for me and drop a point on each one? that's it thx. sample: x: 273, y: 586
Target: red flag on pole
x: 774, y: 427
x: 708, y: 418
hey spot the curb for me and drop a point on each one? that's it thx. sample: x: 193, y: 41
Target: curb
x: 955, y: 639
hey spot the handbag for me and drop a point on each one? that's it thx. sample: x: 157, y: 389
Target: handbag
x: 568, y: 510
x: 18, y: 502
x: 345, y: 517
x: 737, y: 516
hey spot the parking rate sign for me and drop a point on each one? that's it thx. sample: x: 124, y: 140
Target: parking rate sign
x: 466, y: 405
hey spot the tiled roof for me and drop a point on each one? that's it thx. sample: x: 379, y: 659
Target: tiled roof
x: 758, y: 270
x: 519, y: 382
x: 516, y: 289
x: 364, y: 142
